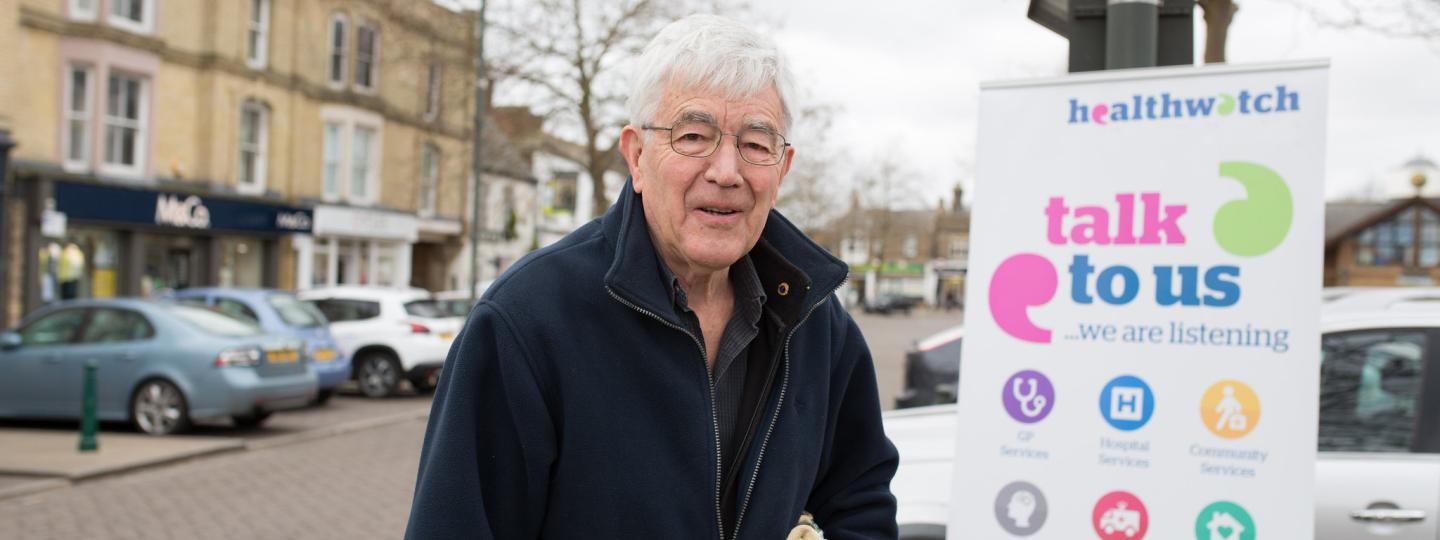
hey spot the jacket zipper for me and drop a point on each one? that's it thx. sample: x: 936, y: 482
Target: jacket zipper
x: 779, y: 404
x: 714, y: 417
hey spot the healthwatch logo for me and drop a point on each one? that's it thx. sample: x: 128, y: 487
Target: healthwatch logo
x: 1163, y: 106
x: 1248, y: 227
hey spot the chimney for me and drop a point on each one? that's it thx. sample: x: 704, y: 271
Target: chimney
x: 955, y: 205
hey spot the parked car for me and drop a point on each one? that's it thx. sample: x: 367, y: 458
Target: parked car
x: 1379, y: 434
x: 886, y: 304
x: 932, y: 370
x: 457, y: 302
x: 388, y: 333
x: 281, y: 313
x: 160, y: 365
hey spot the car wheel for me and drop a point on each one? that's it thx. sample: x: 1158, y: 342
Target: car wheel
x: 378, y: 374
x: 159, y: 408
x: 250, y: 421
x: 426, y: 382
x: 324, y: 396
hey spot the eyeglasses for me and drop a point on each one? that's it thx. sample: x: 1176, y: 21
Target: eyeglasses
x: 700, y: 139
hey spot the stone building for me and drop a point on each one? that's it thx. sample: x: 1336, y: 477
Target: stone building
x: 289, y: 144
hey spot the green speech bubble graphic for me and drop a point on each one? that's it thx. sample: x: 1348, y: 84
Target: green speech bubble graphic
x: 1227, y: 105
x: 1257, y: 224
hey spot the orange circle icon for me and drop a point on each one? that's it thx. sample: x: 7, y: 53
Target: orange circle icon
x: 1230, y: 409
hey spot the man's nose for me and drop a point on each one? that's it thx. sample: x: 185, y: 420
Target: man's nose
x: 724, y: 167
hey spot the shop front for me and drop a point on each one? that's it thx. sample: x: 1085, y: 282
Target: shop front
x: 356, y: 246
x: 93, y: 240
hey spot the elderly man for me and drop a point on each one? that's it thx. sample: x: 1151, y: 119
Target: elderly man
x: 678, y: 368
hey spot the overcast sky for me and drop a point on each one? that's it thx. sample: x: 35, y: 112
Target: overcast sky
x: 908, y: 72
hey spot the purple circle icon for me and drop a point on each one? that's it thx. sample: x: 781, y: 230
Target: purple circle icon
x: 1028, y: 396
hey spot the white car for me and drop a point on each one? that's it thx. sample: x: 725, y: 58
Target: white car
x: 388, y: 333
x: 457, y: 302
x: 1378, y: 473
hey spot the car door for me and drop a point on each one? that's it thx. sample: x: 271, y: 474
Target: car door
x: 353, y: 323
x: 120, y: 341
x: 30, y: 382
x: 1377, y: 474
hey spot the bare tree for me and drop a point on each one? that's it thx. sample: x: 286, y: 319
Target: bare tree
x: 570, y: 57
x: 809, y: 195
x: 1392, y: 18
x: 1218, y: 14
x: 885, y: 187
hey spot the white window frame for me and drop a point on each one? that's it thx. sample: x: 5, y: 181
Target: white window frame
x: 144, y: 26
x: 141, y: 125
x: 369, y: 162
x: 350, y: 119
x: 340, y: 142
x: 374, y: 71
x: 337, y: 80
x: 78, y: 13
x: 429, y: 179
x: 86, y: 117
x: 432, y: 91
x: 258, y: 58
x: 259, y: 148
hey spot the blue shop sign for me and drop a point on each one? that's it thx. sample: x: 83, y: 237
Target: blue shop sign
x: 89, y: 202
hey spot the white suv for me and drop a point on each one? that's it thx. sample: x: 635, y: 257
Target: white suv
x: 1378, y: 472
x: 388, y: 333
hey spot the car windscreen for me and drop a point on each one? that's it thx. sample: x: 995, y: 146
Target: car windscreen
x: 212, y: 322
x: 426, y: 308
x: 294, y: 312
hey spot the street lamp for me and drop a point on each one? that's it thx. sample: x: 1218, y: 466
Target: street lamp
x: 1419, y: 166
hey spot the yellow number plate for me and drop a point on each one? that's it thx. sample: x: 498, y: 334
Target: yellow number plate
x: 283, y: 356
x: 447, y: 336
x: 324, y: 355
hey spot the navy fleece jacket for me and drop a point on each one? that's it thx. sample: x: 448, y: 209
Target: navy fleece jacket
x: 571, y: 407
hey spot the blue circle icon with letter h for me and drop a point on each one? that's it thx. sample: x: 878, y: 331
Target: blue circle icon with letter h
x: 1127, y: 403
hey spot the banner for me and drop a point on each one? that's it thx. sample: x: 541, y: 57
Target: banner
x: 1142, y: 343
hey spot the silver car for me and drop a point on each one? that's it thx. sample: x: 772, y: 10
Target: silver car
x: 1378, y: 472
x: 160, y: 365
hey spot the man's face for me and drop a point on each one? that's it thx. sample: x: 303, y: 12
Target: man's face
x: 705, y: 213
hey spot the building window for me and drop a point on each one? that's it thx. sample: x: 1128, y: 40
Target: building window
x: 252, y: 147
x: 132, y: 15
x: 256, y: 37
x: 432, y: 92
x: 77, y: 117
x: 1393, y: 242
x: 563, y: 193
x: 83, y: 10
x: 361, y: 168
x: 124, y: 124
x: 911, y: 248
x: 332, y: 160
x: 338, y: 29
x: 429, y: 178
x: 366, y: 43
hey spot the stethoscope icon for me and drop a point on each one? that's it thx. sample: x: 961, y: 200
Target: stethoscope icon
x: 1031, y: 403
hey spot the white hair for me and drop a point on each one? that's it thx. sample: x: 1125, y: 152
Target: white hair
x: 710, y: 54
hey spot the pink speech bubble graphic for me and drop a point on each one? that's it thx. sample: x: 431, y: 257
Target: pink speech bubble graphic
x: 1022, y: 281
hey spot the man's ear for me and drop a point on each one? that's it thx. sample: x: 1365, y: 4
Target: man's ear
x: 785, y: 163
x: 632, y: 142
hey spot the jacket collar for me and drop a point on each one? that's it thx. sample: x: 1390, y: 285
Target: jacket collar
x: 784, y: 258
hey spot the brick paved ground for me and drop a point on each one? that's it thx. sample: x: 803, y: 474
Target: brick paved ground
x: 356, y: 485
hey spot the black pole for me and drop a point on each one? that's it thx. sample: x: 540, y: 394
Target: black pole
x: 1131, y: 33
x: 6, y: 144
x: 477, y: 200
